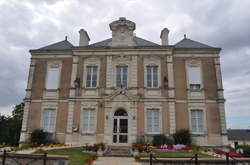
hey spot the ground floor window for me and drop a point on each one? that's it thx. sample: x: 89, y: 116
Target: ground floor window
x: 89, y: 119
x: 153, y: 120
x: 197, y: 121
x: 49, y: 120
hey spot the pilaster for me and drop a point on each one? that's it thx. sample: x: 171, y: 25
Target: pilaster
x: 73, y: 76
x: 220, y: 93
x: 171, y: 94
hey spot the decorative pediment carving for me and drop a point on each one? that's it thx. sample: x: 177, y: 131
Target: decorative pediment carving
x: 122, y: 94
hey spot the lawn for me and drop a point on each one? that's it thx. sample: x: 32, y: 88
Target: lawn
x: 180, y: 155
x: 76, y: 157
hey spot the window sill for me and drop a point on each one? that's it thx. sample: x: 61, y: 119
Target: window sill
x: 88, y: 133
x: 90, y: 88
x: 51, y: 90
x: 195, y: 90
x: 155, y: 88
x: 153, y: 133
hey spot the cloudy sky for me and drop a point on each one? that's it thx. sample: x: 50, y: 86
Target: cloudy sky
x: 31, y: 24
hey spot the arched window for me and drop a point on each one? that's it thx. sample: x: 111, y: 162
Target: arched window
x: 121, y: 112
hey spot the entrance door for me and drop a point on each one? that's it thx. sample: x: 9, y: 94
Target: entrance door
x: 120, y: 127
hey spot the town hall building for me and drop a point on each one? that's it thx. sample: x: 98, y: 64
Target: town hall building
x: 124, y: 87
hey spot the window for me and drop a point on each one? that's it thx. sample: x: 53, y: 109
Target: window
x: 153, y: 120
x: 152, y: 76
x: 91, y: 77
x: 197, y: 121
x: 121, y: 76
x: 89, y: 120
x: 194, y: 76
x: 52, y: 78
x: 49, y: 120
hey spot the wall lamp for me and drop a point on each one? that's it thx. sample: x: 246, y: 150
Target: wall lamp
x: 77, y: 82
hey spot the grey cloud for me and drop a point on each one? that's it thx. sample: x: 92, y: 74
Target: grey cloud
x: 33, y: 24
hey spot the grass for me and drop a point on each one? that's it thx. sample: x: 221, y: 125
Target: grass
x: 76, y: 157
x: 180, y: 155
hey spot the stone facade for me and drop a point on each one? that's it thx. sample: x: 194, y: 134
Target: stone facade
x: 171, y: 96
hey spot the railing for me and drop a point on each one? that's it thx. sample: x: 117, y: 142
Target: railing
x: 194, y: 160
x: 32, y: 159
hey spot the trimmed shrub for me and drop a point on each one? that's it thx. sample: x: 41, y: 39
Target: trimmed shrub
x: 161, y: 140
x: 38, y: 137
x: 182, y: 137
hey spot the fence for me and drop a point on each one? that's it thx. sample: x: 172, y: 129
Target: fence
x: 195, y: 160
x: 32, y: 159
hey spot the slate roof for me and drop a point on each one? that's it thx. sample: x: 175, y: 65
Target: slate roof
x: 188, y: 43
x: 138, y: 41
x: 62, y: 45
x: 238, y: 134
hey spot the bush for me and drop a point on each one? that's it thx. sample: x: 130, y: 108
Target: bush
x: 182, y: 137
x: 161, y: 140
x: 38, y: 137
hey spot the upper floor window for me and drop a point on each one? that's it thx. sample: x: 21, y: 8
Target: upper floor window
x: 152, y: 76
x: 194, y: 77
x: 91, y: 80
x: 153, y: 120
x: 197, y: 121
x: 49, y: 119
x: 89, y: 116
x: 122, y: 76
x: 53, y: 75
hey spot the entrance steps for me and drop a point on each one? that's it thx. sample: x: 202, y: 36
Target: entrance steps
x: 118, y: 151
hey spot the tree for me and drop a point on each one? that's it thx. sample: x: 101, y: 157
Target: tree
x: 10, y: 126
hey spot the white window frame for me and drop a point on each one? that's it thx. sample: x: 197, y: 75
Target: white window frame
x: 190, y: 63
x: 53, y: 64
x: 47, y: 105
x: 91, y: 61
x: 121, y: 75
x: 200, y: 108
x: 146, y: 122
x: 82, y: 121
x: 152, y: 76
x: 153, y: 60
x: 92, y: 66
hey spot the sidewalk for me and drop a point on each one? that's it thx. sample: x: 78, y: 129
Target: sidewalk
x: 115, y: 161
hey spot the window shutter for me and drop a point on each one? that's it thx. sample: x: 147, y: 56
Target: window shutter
x: 52, y: 78
x: 194, y: 75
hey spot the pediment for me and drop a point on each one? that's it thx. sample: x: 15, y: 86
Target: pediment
x: 122, y: 94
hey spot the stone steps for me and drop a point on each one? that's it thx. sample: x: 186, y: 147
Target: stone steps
x: 118, y: 151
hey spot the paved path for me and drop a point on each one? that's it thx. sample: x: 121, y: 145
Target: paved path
x: 115, y: 161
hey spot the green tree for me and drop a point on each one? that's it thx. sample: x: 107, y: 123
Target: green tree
x: 10, y: 126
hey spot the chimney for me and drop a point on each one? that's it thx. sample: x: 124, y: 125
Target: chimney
x: 164, y: 36
x: 84, y: 38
